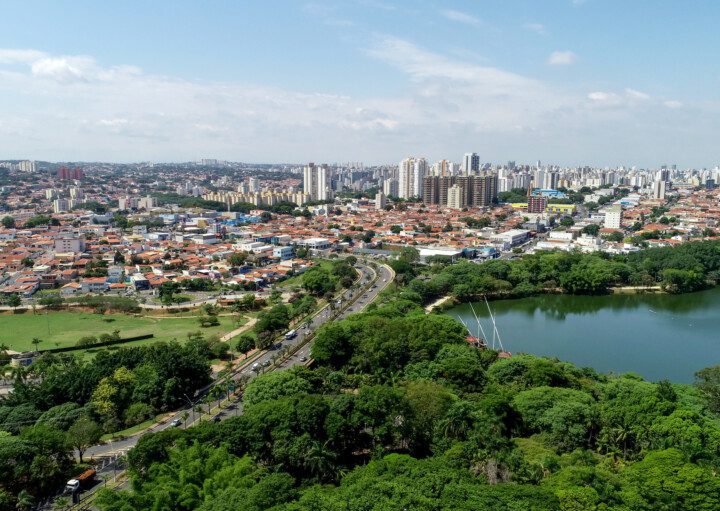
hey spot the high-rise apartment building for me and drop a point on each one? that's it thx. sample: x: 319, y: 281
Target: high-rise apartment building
x: 28, y: 166
x: 659, y: 188
x: 536, y: 203
x: 380, y: 200
x: 316, y: 182
x: 442, y: 168
x: 411, y: 172
x: 478, y: 191
x: 456, y: 197
x: 470, y: 164
x: 65, y: 173
x: 390, y: 188
x: 613, y: 217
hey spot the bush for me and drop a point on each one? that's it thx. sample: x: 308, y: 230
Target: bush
x: 85, y: 341
x: 137, y: 413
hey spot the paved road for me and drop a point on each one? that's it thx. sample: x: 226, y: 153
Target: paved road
x: 384, y: 278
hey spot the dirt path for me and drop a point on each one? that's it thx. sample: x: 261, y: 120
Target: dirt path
x: 247, y: 326
x: 437, y: 303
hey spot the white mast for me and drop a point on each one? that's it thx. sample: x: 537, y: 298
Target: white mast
x: 495, y: 332
x: 484, y: 337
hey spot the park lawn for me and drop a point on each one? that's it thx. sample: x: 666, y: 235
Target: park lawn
x: 64, y: 328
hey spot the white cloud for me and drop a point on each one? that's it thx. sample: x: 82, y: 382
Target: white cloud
x: 672, y: 103
x: 73, y: 107
x: 460, y: 17
x: 11, y: 56
x: 538, y: 28
x: 562, y: 58
x: 636, y: 94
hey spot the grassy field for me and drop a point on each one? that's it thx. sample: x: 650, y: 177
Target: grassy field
x: 62, y: 328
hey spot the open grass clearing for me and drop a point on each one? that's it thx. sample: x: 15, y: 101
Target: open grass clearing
x: 64, y: 328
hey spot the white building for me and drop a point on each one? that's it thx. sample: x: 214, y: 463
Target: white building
x: 470, y: 164
x: 512, y: 237
x: 74, y: 244
x: 380, y: 200
x: 147, y: 202
x: 411, y: 173
x: 28, y: 166
x: 455, y: 197
x: 127, y: 203
x: 390, y: 188
x: 60, y: 205
x: 316, y: 181
x: 658, y: 190
x: 613, y: 217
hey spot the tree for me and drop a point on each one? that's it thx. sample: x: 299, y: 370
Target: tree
x: 708, y: 382
x: 14, y: 300
x: 567, y: 221
x: 317, y: 281
x: 237, y: 258
x: 36, y: 342
x: 84, y: 433
x: 409, y: 254
x: 8, y: 222
x: 245, y: 343
x: 591, y: 229
x: 167, y: 291
x: 275, y: 385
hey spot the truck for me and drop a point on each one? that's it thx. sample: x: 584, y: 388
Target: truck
x: 81, y: 482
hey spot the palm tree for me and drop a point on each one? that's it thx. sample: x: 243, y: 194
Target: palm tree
x: 35, y: 342
x: 319, y: 461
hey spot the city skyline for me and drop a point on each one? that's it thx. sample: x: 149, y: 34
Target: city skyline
x: 507, y: 80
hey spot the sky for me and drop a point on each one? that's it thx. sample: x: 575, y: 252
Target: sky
x: 570, y: 82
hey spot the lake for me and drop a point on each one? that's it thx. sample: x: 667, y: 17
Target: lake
x: 658, y: 336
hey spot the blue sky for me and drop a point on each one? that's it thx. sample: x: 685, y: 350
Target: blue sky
x: 599, y: 82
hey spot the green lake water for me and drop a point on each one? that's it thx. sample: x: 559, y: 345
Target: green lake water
x: 657, y: 336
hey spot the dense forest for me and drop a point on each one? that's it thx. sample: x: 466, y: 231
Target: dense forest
x: 63, y: 403
x: 401, y: 413
x: 685, y: 268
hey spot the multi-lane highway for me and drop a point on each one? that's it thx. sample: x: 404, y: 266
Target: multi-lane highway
x: 371, y: 282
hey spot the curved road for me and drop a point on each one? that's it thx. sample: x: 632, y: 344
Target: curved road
x: 380, y: 278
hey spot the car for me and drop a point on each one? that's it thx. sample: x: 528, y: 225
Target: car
x: 303, y: 359
x: 176, y: 423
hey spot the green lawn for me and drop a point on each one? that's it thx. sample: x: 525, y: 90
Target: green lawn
x: 62, y: 328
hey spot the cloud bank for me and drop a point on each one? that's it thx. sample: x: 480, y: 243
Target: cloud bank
x: 73, y: 107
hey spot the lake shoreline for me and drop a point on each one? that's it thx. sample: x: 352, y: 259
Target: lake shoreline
x: 657, y: 335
